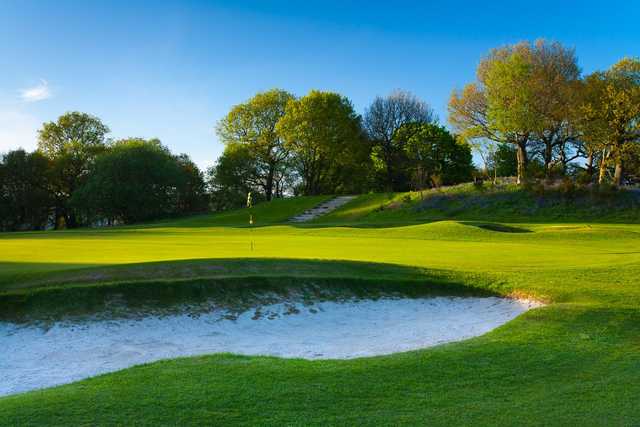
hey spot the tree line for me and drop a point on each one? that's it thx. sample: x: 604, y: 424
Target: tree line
x: 531, y: 99
x: 529, y: 114
x: 79, y: 177
x: 277, y: 144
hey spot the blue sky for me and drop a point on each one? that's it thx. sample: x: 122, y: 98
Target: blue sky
x: 171, y: 70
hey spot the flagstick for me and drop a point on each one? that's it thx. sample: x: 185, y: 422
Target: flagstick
x: 250, y: 206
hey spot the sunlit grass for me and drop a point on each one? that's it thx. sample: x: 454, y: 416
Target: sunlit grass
x: 574, y: 362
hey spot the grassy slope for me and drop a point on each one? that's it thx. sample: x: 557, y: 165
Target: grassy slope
x: 503, y: 202
x: 576, y: 361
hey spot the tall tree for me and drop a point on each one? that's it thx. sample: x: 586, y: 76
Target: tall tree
x: 555, y: 84
x: 468, y: 114
x: 523, y: 94
x: 612, y: 114
x: 325, y: 136
x: 24, y: 191
x: 253, y: 124
x: 72, y: 142
x: 382, y: 119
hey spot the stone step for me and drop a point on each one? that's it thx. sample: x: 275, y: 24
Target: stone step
x: 322, y: 209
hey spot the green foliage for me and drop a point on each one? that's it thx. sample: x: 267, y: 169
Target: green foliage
x: 611, y: 114
x: 324, y: 135
x: 233, y: 177
x: 253, y: 125
x: 505, y: 160
x: 526, y: 93
x: 140, y: 180
x: 382, y: 120
x: 25, y: 196
x: 433, y: 156
x: 509, y: 98
x: 73, y: 143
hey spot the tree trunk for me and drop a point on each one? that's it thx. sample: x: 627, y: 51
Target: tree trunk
x: 71, y: 220
x: 548, y: 157
x: 590, y: 165
x: 603, y: 167
x: 563, y: 160
x: 617, y: 177
x: 522, y: 162
x: 269, y: 185
x: 388, y: 160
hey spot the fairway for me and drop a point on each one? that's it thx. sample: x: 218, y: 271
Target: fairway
x: 583, y: 344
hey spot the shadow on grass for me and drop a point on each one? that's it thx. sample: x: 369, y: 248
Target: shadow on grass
x: 501, y: 228
x: 230, y: 283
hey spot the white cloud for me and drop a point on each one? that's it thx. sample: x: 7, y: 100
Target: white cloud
x: 17, y: 130
x: 36, y: 93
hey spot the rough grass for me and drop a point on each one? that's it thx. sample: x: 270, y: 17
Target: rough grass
x: 502, y: 202
x: 574, y: 362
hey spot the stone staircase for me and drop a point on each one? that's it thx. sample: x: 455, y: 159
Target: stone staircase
x: 321, y: 209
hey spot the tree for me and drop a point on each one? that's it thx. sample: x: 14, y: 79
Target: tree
x: 434, y: 156
x: 555, y: 84
x: 486, y: 149
x: 24, y: 191
x: 612, y: 114
x: 505, y: 160
x: 232, y: 177
x: 382, y: 119
x: 326, y: 139
x: 523, y: 94
x: 192, y: 190
x: 468, y: 114
x: 72, y: 142
x: 253, y: 124
x: 138, y: 180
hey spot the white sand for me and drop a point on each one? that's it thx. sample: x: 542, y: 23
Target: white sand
x: 33, y: 358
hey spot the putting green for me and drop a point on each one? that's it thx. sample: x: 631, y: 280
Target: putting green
x: 575, y: 361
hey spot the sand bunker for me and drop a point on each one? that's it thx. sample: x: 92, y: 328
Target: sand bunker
x: 33, y: 357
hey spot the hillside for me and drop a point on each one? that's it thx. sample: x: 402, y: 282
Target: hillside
x: 499, y: 203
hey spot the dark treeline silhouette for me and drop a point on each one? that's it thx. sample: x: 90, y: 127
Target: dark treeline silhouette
x: 78, y: 177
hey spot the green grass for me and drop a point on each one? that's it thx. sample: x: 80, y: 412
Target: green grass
x: 574, y: 362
